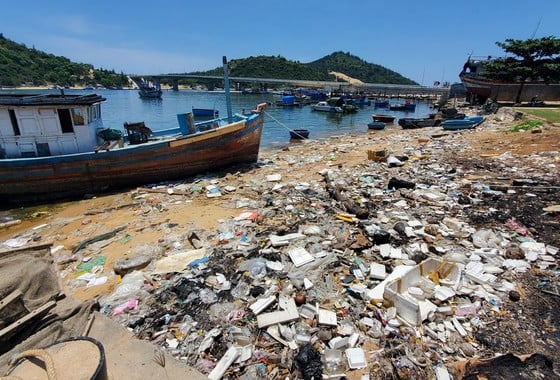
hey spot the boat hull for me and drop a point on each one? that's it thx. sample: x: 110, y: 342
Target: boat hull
x: 509, y: 92
x: 416, y: 123
x: 383, y: 118
x: 376, y: 125
x: 299, y: 134
x: 76, y: 175
x: 458, y: 124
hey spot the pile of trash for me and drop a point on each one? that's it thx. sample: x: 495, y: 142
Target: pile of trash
x: 390, y: 268
x: 373, y: 270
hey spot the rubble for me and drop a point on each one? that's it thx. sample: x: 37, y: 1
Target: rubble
x: 391, y: 267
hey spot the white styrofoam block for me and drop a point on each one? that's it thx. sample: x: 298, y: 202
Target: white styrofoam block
x: 356, y: 357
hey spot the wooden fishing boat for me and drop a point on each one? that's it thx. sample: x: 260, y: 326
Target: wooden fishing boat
x: 416, y: 123
x: 148, y: 89
x: 476, y: 83
x: 384, y: 118
x: 55, y: 146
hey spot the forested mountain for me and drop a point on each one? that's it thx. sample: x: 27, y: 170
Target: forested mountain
x: 21, y: 65
x: 281, y: 68
x: 358, y: 68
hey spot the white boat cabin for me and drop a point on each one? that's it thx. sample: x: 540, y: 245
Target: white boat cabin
x: 49, y: 125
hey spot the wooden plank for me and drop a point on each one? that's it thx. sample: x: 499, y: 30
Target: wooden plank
x: 5, y: 332
x: 13, y: 296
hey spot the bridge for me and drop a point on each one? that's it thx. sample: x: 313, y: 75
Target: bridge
x: 382, y: 89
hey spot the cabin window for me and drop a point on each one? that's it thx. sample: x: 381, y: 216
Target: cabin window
x: 94, y: 113
x: 78, y: 116
x: 15, y: 125
x: 65, y: 120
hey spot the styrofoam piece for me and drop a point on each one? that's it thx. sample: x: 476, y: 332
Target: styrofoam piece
x: 408, y: 307
x: 416, y: 292
x: 416, y: 224
x: 396, y: 253
x: 279, y: 241
x: 307, y: 311
x: 356, y: 357
x: 385, y: 250
x: 377, y: 294
x: 300, y: 256
x: 222, y: 366
x: 307, y: 283
x: 442, y: 373
x: 338, y: 342
x: 327, y: 317
x: 426, y: 309
x: 261, y: 304
x: 290, y: 313
x: 275, y: 265
x: 353, y: 339
x: 377, y: 271
x: 443, y: 293
x: 274, y: 332
x: 460, y: 329
x: 274, y: 177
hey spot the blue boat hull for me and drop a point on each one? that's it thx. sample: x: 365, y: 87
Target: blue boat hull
x: 466, y: 123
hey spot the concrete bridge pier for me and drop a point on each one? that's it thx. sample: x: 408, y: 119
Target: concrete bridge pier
x: 175, y: 84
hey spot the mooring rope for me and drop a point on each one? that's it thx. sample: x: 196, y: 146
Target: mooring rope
x: 284, y: 125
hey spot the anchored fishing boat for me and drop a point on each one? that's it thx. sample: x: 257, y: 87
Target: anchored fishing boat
x: 55, y: 146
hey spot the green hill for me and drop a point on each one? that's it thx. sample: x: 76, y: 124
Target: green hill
x: 281, y: 68
x: 20, y: 65
x: 358, y: 68
x: 24, y: 66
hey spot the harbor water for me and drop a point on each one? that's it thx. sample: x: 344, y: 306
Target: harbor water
x: 126, y: 106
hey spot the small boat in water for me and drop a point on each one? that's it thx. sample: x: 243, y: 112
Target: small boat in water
x: 469, y: 122
x: 56, y: 147
x: 381, y: 104
x: 384, y: 118
x: 299, y: 134
x: 376, y: 125
x: 415, y: 123
x: 148, y: 89
x: 407, y: 107
x: 324, y: 106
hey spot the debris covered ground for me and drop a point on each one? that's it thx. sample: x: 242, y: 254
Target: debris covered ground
x: 393, y: 255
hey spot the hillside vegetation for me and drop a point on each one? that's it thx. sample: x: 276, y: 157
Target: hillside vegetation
x: 319, y: 70
x: 20, y: 65
x: 24, y: 66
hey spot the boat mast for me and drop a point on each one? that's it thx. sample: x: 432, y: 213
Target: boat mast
x: 226, y: 87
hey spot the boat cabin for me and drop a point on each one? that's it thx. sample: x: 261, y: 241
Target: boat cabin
x: 44, y: 125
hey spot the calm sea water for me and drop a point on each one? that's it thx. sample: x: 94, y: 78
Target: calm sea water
x: 126, y: 106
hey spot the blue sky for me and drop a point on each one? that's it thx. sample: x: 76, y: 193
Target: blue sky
x: 425, y: 41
